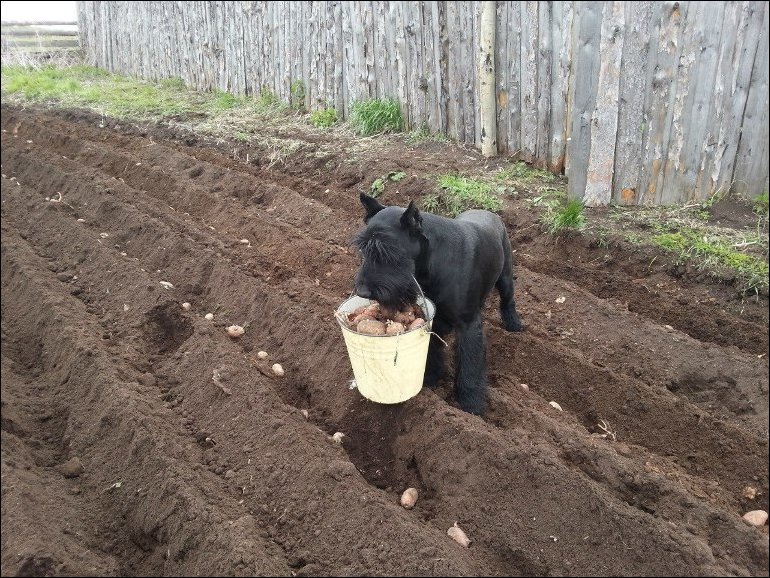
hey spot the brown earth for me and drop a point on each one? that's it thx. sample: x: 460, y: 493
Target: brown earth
x: 122, y: 455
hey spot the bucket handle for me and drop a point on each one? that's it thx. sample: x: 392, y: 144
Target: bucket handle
x: 424, y: 302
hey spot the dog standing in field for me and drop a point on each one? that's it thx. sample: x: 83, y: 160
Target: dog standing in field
x: 457, y: 263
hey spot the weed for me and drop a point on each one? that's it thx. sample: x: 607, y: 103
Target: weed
x: 459, y: 194
x: 378, y: 186
x: 323, y: 118
x: 376, y: 116
x: 267, y: 98
x: 548, y: 198
x: 297, y: 95
x: 761, y: 204
x: 717, y: 196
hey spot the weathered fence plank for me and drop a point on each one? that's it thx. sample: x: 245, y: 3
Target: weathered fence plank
x: 637, y: 102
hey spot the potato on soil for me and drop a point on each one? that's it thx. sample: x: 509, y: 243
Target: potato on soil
x: 394, y: 328
x: 456, y: 533
x: 419, y: 322
x: 235, y: 331
x: 409, y: 498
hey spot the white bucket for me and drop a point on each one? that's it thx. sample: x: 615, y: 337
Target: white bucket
x: 387, y: 368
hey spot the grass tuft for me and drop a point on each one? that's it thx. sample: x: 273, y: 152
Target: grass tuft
x: 376, y: 116
x: 567, y: 217
x: 324, y: 118
x: 459, y: 194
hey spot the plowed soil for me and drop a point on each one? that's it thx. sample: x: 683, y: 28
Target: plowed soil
x: 139, y: 439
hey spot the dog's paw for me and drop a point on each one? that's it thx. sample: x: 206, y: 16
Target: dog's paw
x: 473, y: 406
x: 513, y: 323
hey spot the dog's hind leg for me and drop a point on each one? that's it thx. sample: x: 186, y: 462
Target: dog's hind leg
x: 504, y: 284
x: 471, y: 373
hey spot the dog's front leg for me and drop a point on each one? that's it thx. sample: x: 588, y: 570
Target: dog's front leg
x: 435, y: 368
x: 471, y: 374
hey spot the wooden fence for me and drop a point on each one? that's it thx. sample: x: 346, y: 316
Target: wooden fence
x: 38, y: 37
x: 638, y: 102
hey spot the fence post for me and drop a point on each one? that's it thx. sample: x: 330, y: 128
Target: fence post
x: 487, y: 100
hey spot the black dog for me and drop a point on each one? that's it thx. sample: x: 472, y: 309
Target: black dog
x: 457, y: 263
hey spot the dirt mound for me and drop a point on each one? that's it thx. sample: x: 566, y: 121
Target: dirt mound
x: 139, y: 439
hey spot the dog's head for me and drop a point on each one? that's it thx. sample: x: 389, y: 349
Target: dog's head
x: 389, y: 246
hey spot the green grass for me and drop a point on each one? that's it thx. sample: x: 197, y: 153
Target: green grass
x: 459, y: 193
x: 123, y: 97
x: 324, y: 118
x: 567, y: 217
x: 520, y: 171
x: 714, y: 253
x: 423, y: 135
x: 376, y: 116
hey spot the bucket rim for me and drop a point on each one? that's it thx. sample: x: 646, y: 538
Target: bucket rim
x: 428, y: 322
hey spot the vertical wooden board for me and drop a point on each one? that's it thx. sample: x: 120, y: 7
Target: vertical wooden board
x: 358, y: 49
x: 561, y: 24
x: 664, y: 87
x: 309, y: 52
x: 286, y: 58
x: 295, y: 45
x: 704, y: 101
x: 631, y: 115
x: 472, y: 116
x: 349, y: 73
x: 468, y: 68
x: 455, y: 125
x: 697, y: 65
x: 442, y: 56
x: 425, y: 58
x: 588, y: 21
x: 378, y: 47
x: 501, y: 74
x: 369, y: 78
x: 340, y: 63
x: 312, y: 69
x: 743, y: 25
x: 420, y: 86
x: 432, y: 60
x: 513, y: 49
x: 529, y: 82
x: 750, y: 177
x: 387, y: 54
x: 598, y: 191
x: 400, y: 15
x: 248, y: 47
x: 417, y: 85
x: 544, y: 58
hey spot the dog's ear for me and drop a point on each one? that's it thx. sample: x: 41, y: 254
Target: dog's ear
x: 371, y: 205
x: 411, y: 220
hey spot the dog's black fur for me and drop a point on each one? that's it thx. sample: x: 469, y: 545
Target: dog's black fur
x: 457, y: 263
